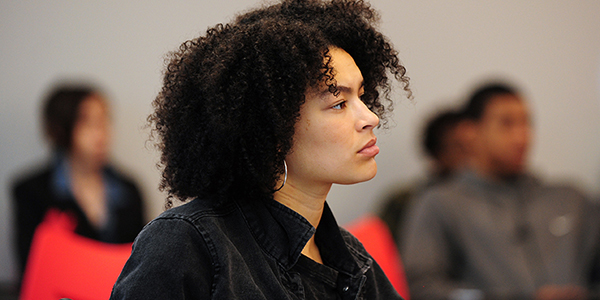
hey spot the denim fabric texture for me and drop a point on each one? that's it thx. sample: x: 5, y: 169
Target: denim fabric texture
x: 247, y: 250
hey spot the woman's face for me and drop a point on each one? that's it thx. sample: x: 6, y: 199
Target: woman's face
x: 91, y: 133
x: 334, y: 140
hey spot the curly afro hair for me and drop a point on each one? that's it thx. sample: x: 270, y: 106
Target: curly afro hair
x: 224, y: 119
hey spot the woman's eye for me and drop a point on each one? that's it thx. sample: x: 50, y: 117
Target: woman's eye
x: 339, y: 105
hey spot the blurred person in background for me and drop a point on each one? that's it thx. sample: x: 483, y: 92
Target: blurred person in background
x: 105, y: 205
x: 447, y: 145
x: 496, y: 232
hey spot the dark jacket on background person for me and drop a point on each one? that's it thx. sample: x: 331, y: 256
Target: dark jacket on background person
x: 247, y: 250
x: 48, y: 188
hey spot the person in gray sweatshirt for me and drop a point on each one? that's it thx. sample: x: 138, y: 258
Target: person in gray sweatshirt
x: 495, y: 231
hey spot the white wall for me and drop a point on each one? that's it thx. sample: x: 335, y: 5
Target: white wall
x: 551, y: 48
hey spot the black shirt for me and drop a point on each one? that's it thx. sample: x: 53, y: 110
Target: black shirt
x: 247, y: 250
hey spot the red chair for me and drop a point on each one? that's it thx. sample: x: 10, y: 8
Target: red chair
x: 62, y: 264
x: 375, y: 236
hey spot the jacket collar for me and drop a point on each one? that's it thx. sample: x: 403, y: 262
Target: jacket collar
x: 344, y: 256
x: 283, y: 233
x: 280, y: 231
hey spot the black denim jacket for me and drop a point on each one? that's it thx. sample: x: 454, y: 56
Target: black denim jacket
x: 247, y: 250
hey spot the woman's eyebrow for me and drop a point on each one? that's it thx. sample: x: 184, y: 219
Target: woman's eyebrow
x: 325, y: 93
x: 347, y: 89
x: 344, y: 89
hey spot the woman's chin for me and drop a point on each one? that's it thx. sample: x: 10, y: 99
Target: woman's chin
x: 363, y: 175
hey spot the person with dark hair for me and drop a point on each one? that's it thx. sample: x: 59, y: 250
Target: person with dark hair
x: 446, y: 142
x: 105, y: 205
x: 481, y: 97
x: 256, y: 120
x: 496, y: 232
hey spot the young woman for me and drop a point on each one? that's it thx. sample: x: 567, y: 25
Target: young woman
x: 256, y: 120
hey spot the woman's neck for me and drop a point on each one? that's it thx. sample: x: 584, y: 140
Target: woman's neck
x: 87, y: 185
x: 81, y: 167
x: 309, y: 203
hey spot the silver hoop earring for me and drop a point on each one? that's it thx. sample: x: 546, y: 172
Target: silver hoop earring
x: 284, y: 177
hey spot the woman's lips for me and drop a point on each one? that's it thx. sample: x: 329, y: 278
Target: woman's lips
x: 370, y: 149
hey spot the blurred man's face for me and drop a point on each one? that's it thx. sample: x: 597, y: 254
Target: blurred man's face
x: 503, y: 135
x: 455, y: 149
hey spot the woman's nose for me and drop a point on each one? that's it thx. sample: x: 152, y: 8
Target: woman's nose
x: 367, y: 118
